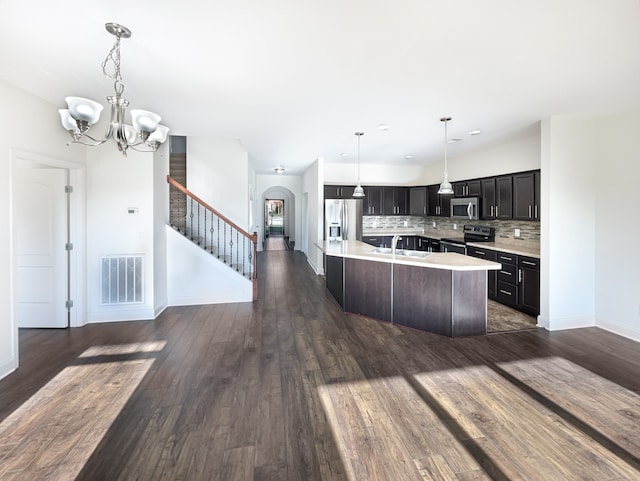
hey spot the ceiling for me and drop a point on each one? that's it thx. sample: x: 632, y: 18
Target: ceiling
x: 292, y: 80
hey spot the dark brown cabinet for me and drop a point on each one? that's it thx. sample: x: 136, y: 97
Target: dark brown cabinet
x: 526, y: 195
x: 529, y: 285
x: 427, y: 244
x: 377, y: 240
x: 507, y: 279
x: 488, y: 255
x: 395, y: 200
x: 504, y: 197
x: 418, y: 201
x: 372, y: 201
x: 467, y: 188
x: 488, y: 194
x: 496, y: 195
x: 338, y: 191
x: 438, y: 205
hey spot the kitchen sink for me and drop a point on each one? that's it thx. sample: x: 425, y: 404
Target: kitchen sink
x: 401, y: 252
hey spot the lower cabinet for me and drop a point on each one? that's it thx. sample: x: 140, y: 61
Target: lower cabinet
x: 529, y: 285
x: 518, y: 282
x: 378, y: 240
x: 487, y: 255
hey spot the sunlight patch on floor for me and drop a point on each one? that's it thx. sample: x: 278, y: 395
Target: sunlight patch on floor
x: 53, y: 434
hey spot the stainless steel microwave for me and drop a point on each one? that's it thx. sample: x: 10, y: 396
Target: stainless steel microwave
x: 465, y: 208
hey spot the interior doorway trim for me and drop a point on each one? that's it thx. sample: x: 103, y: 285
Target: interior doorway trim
x: 21, y: 159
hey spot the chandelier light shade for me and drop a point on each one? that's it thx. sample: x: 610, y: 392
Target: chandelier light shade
x: 358, y: 191
x: 445, y: 186
x: 145, y: 134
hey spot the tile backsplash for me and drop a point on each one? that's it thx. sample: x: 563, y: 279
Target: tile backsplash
x: 504, y: 228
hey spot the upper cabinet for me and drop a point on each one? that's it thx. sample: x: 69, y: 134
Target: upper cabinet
x: 395, y: 200
x: 526, y: 196
x: 438, y: 204
x: 467, y: 188
x: 504, y: 197
x: 372, y: 201
x: 418, y: 201
x: 338, y: 191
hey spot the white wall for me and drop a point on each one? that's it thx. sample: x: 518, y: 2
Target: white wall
x: 517, y: 153
x: 287, y: 187
x: 218, y: 173
x: 617, y: 260
x: 568, y: 212
x: 29, y: 124
x: 160, y: 221
x: 312, y: 186
x: 114, y: 184
x: 196, y: 277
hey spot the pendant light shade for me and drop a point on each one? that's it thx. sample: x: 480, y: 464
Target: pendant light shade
x: 358, y: 191
x: 445, y: 186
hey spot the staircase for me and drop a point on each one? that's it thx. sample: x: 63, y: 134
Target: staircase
x: 213, y: 232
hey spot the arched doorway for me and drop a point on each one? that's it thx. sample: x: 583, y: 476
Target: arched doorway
x: 278, y: 225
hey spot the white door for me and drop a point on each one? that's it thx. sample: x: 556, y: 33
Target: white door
x: 40, y: 230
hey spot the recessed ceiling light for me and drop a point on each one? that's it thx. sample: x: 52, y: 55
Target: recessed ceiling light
x: 475, y: 132
x: 408, y: 157
x: 454, y: 140
x: 344, y: 154
x: 383, y: 127
x: 279, y: 170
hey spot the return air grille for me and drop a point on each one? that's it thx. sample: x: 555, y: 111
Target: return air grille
x: 122, y: 279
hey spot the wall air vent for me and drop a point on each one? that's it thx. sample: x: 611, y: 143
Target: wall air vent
x: 122, y: 279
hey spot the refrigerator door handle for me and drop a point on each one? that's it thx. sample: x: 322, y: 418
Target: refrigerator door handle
x: 345, y: 221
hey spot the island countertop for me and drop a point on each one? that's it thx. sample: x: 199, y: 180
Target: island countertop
x: 434, y: 260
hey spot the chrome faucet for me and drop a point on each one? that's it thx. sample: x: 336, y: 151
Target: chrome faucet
x: 394, y: 243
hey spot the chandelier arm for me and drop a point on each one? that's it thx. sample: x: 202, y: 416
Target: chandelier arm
x: 93, y: 143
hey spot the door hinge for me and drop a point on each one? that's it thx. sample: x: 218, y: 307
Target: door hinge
x: 68, y: 189
x: 68, y: 304
x: 68, y: 246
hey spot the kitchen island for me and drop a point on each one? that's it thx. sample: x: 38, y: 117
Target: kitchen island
x: 442, y: 293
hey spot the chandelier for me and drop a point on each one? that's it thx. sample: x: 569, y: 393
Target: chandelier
x: 144, y: 135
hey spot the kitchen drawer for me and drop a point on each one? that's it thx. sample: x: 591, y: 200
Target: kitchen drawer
x: 504, y: 258
x: 480, y: 253
x: 509, y: 273
x: 529, y: 263
x: 377, y: 241
x: 507, y: 293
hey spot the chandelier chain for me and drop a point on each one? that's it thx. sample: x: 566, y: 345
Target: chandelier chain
x: 114, y: 57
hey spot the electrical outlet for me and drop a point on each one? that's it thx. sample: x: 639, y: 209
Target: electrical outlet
x: 455, y: 226
x: 434, y: 224
x: 516, y: 233
x: 406, y: 223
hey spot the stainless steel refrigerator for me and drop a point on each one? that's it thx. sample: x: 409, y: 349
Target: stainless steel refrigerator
x: 342, y: 219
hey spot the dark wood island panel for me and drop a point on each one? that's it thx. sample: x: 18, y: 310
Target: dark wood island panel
x: 368, y: 288
x: 334, y: 270
x: 422, y: 298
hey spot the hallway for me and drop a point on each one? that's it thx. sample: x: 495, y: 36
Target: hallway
x: 289, y: 388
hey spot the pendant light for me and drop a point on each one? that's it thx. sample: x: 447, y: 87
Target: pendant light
x: 358, y: 191
x: 445, y: 186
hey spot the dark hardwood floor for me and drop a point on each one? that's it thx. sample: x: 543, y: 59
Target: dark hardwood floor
x: 291, y: 389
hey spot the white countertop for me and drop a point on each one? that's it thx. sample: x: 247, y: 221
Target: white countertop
x: 435, y: 260
x: 523, y: 247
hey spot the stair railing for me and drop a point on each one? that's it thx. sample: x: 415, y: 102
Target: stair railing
x: 205, y: 226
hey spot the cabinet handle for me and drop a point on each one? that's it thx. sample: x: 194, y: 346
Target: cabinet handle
x: 496, y: 211
x: 505, y: 258
x: 530, y: 212
x: 505, y: 292
x: 505, y: 272
x: 535, y: 209
x: 491, y: 211
x: 519, y: 275
x: 529, y: 263
x: 481, y: 253
x: 424, y: 209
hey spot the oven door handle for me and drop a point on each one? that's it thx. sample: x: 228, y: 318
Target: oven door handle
x: 470, y: 210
